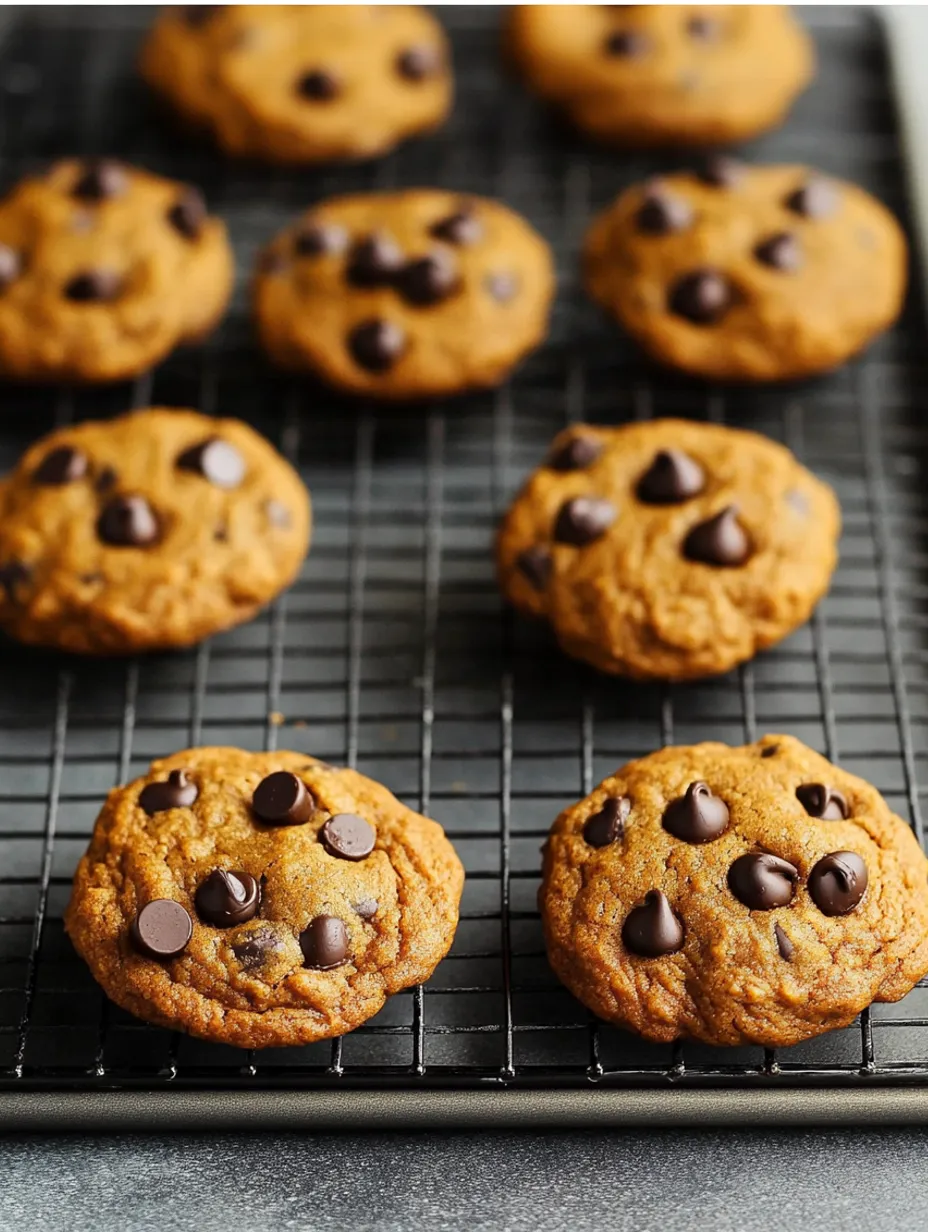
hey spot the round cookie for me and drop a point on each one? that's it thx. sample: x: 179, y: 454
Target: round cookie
x: 104, y: 269
x: 664, y: 74
x: 150, y: 531
x: 405, y: 295
x: 748, y: 273
x: 261, y: 899
x: 302, y: 83
x: 754, y: 895
x: 668, y: 549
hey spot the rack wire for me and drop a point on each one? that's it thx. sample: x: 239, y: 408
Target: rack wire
x: 393, y: 651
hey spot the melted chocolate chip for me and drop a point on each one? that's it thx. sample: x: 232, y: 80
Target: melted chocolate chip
x: 277, y: 513
x: 536, y: 564
x: 255, y: 947
x: 673, y: 477
x: 462, y: 227
x: 320, y: 240
x: 663, y: 213
x: 697, y: 816
x: 502, y: 286
x: 784, y: 945
x: 226, y: 898
x: 282, y: 799
x: 176, y: 791
x: 704, y: 29
x: 188, y: 214
x: 348, y: 837
x: 105, y: 479
x: 826, y: 803
x: 817, y: 198
x: 13, y: 574
x: 651, y: 929
x: 366, y: 908
x: 128, y: 522
x: 576, y: 453
x: 162, y: 929
x: 318, y: 86
x: 216, y: 460
x: 325, y: 942
x: 838, y: 882
x: 100, y: 179
x: 608, y: 825
x: 720, y: 540
x: 583, y: 520
x: 419, y: 63
x: 762, y: 881
x: 63, y: 465
x: 10, y: 265
x: 770, y: 751
x: 629, y: 44
x: 94, y: 286
x: 429, y: 279
x: 722, y: 172
x: 376, y: 345
x: 702, y: 297
x: 375, y: 261
x: 781, y: 252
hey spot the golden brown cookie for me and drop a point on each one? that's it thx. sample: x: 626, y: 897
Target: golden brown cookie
x: 104, y: 269
x: 748, y: 273
x: 149, y: 531
x: 405, y: 295
x: 261, y: 899
x: 664, y: 74
x: 754, y: 895
x: 668, y: 549
x: 302, y: 83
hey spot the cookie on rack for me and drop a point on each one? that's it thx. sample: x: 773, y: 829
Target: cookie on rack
x: 664, y: 74
x: 748, y: 273
x: 405, y: 295
x: 668, y: 549
x: 302, y: 83
x: 104, y: 269
x: 150, y: 531
x: 755, y: 895
x: 261, y: 899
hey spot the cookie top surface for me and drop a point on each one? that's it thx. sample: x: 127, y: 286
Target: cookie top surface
x: 665, y: 73
x: 734, y: 895
x: 748, y: 273
x: 668, y: 549
x: 303, y: 83
x: 103, y: 270
x: 299, y: 896
x: 405, y: 294
x: 152, y: 530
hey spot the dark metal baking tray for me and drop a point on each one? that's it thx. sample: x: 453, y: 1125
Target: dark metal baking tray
x: 394, y: 653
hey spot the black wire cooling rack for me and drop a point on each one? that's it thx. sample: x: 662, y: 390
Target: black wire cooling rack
x: 393, y: 652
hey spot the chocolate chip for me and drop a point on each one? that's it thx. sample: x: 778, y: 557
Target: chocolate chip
x: 663, y: 213
x: 325, y: 942
x: 366, y: 908
x: 227, y: 898
x: 651, y: 929
x: 583, y: 520
x: 720, y: 540
x: 14, y: 573
x: 162, y: 929
x: 462, y: 227
x: 188, y: 214
x: 277, y: 514
x: 93, y: 286
x: 501, y: 285
x: 99, y: 179
x: 255, y: 947
x: 781, y: 252
x: 10, y: 265
x: 376, y: 344
x: 535, y: 563
x: 216, y: 460
x: 762, y: 881
x: 128, y: 522
x: 177, y: 791
x: 429, y: 279
x: 722, y: 172
x: 63, y: 465
x: 784, y: 945
x: 375, y: 261
x: 629, y: 44
x: 817, y: 198
x: 199, y: 14
x: 703, y: 28
x: 105, y: 480
x: 281, y: 799
x: 418, y: 63
x: 576, y: 453
x: 318, y: 85
x: 770, y: 751
x: 826, y: 803
x: 320, y: 240
x: 671, y: 478
x: 348, y: 837
x: 837, y: 882
x: 608, y: 825
x: 703, y: 296
x: 697, y: 816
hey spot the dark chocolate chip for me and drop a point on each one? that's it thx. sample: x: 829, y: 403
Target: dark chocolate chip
x: 349, y: 837
x: 216, y: 460
x: 14, y: 573
x: 576, y: 453
x: 651, y: 929
x: 318, y: 86
x: 784, y: 945
x: 188, y: 214
x: 781, y: 252
x: 583, y: 520
x: 325, y: 942
x: 608, y: 825
x: 376, y: 345
x: 838, y: 882
x: 703, y: 28
x: 630, y: 44
x: 663, y: 213
x: 227, y: 898
x: 770, y: 751
x: 463, y: 227
x: 762, y: 881
x: 277, y: 513
x: 63, y: 465
x: 99, y: 179
x: 817, y: 198
x: 105, y: 479
x: 320, y: 239
x: 94, y: 286
x: 128, y: 522
x: 374, y: 261
x: 673, y: 477
x: 419, y: 63
x: 429, y: 279
x: 826, y: 803
x: 162, y: 929
x: 697, y: 816
x: 176, y: 791
x: 282, y: 799
x: 535, y: 563
x: 366, y: 908
x: 10, y: 265
x: 702, y: 297
x: 254, y: 947
x: 720, y: 540
x: 501, y: 285
x: 721, y: 171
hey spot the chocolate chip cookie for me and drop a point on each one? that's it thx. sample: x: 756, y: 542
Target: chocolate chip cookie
x: 668, y: 549
x: 406, y: 294
x: 302, y: 83
x: 754, y: 895
x: 261, y: 899
x: 146, y: 532
x: 664, y: 73
x: 104, y: 269
x: 748, y: 273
